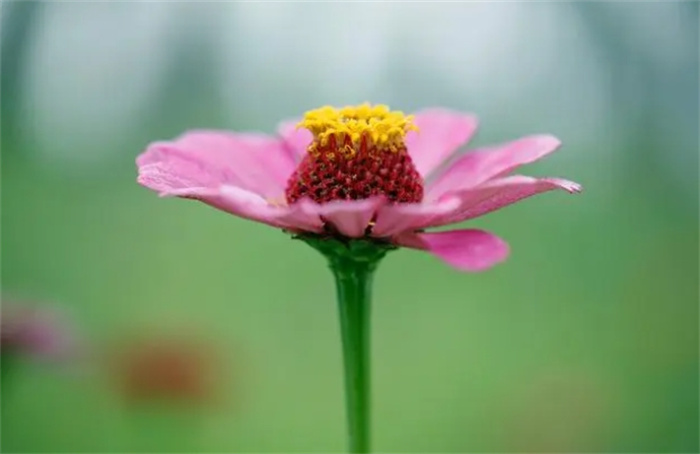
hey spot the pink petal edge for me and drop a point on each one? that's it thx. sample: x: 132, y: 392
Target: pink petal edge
x: 253, y: 162
x: 440, y: 133
x: 480, y: 165
x: 233, y: 200
x: 395, y: 219
x: 466, y: 250
x: 248, y: 205
x: 290, y: 217
x: 500, y: 193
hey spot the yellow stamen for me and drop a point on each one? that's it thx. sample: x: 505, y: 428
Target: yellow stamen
x: 385, y: 129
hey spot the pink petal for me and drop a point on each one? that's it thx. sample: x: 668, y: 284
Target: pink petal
x: 297, y: 140
x: 292, y: 217
x: 465, y: 250
x: 394, y: 219
x: 231, y: 199
x: 349, y: 217
x: 478, y: 166
x: 256, y: 163
x: 499, y: 193
x: 440, y: 133
x: 249, y: 205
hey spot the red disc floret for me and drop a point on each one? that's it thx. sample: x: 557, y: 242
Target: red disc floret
x: 329, y: 172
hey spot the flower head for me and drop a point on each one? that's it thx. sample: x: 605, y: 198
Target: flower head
x: 356, y: 153
x: 359, y: 172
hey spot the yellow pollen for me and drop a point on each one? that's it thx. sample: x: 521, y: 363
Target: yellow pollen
x: 385, y: 128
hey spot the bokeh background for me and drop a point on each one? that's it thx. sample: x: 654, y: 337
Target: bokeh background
x: 200, y: 332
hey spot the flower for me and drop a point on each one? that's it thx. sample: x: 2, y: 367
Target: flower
x: 359, y: 172
x: 38, y: 333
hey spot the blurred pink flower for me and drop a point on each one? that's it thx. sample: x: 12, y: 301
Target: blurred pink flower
x: 359, y: 172
x: 40, y: 333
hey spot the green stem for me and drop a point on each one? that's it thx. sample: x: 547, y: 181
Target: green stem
x: 353, y: 263
x: 354, y: 288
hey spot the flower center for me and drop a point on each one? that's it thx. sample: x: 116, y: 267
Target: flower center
x: 357, y: 152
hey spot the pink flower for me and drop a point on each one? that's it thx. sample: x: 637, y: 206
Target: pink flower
x: 359, y: 172
x: 40, y: 333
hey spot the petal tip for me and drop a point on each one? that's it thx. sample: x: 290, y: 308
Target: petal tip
x: 490, y: 255
x: 570, y: 187
x: 146, y: 179
x: 547, y: 141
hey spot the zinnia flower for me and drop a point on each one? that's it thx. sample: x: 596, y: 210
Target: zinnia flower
x: 355, y: 183
x: 359, y: 172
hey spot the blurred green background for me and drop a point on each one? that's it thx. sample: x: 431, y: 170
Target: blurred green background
x: 585, y: 340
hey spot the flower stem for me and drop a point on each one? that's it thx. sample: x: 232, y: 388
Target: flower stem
x: 353, y: 286
x: 353, y: 264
